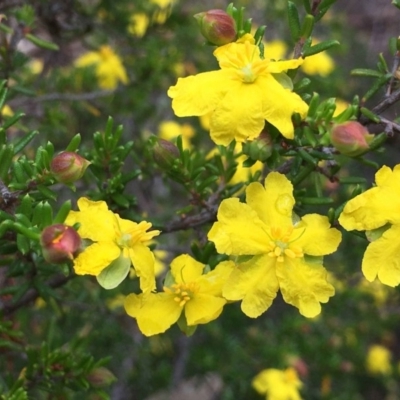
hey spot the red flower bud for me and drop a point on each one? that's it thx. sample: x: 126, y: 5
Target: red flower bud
x: 217, y: 26
x: 350, y: 138
x: 68, y: 167
x: 60, y: 243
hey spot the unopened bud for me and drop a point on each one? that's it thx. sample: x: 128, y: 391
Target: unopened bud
x: 60, y: 243
x: 68, y: 167
x: 350, y: 138
x: 259, y: 149
x: 217, y: 26
x: 101, y: 377
x: 165, y: 153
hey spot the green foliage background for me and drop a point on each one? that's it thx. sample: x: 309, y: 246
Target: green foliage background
x: 50, y: 348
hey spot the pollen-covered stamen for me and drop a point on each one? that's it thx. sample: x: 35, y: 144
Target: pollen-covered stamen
x: 246, y: 60
x: 137, y: 234
x: 281, y: 246
x: 183, y: 292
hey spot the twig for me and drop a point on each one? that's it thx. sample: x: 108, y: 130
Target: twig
x: 33, y: 294
x: 70, y: 96
x: 394, y: 69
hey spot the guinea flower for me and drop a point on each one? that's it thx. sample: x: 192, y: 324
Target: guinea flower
x: 108, y: 67
x: 170, y: 130
x: 378, y: 210
x: 191, y: 292
x: 274, y: 249
x: 113, y: 240
x: 378, y: 360
x: 318, y: 64
x: 277, y: 384
x: 240, y: 96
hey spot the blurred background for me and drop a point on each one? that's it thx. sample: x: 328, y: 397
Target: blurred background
x: 118, y: 58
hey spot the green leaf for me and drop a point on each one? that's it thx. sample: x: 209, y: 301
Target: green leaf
x: 320, y: 47
x: 284, y: 80
x: 115, y: 273
x: 294, y: 21
x: 375, y: 234
x: 365, y: 72
x: 44, y: 44
x: 24, y: 141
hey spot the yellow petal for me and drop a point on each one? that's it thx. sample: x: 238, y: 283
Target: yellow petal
x: 382, y: 258
x: 198, y: 95
x: 143, y: 262
x: 89, y: 58
x: 203, y: 308
x: 186, y: 269
x: 274, y: 202
x: 154, y: 313
x: 275, y: 67
x: 213, y: 282
x: 304, y: 286
x: 377, y: 206
x: 239, y: 230
x: 97, y: 223
x: 95, y: 258
x: 239, y: 115
x: 317, y: 238
x: 255, y: 283
x: 279, y: 104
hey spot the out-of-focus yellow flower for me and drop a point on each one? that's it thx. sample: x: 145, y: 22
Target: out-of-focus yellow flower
x: 163, y: 12
x: 35, y: 66
x: 138, y: 24
x: 277, y: 384
x: 377, y: 290
x: 170, y: 130
x: 378, y: 360
x: 341, y: 105
x: 6, y: 111
x: 318, y: 64
x: 108, y: 66
x: 276, y: 49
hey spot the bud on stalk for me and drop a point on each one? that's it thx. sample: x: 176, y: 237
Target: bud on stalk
x: 350, y: 138
x: 217, y: 26
x: 165, y: 153
x: 60, y: 243
x: 68, y: 167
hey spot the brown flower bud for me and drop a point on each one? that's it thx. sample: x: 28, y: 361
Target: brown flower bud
x: 217, y: 26
x: 68, y: 167
x: 101, y: 377
x: 350, y: 138
x: 165, y: 153
x: 60, y: 243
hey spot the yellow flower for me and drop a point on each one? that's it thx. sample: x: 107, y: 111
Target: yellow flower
x: 276, y: 49
x: 170, y: 130
x: 341, y: 105
x: 109, y: 68
x: 113, y: 239
x: 378, y: 360
x: 138, y: 24
x: 277, y: 384
x: 198, y: 295
x: 241, y: 95
x: 286, y: 251
x: 378, y: 207
x: 164, y: 10
x: 6, y: 111
x: 318, y: 64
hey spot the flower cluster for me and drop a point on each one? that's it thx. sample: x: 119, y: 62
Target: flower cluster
x: 377, y: 211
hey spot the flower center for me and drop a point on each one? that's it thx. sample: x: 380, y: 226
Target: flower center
x: 183, y: 292
x: 137, y: 234
x: 245, y: 59
x: 281, y: 246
